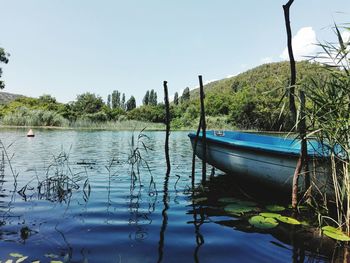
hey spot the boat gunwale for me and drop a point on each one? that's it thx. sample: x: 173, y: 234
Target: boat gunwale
x: 280, y: 151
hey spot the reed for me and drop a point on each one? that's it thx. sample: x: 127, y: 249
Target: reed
x: 329, y: 119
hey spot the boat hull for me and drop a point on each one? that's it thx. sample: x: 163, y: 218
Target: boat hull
x: 270, y: 169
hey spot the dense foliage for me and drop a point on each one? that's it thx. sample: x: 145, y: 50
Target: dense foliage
x: 3, y: 59
x: 251, y: 100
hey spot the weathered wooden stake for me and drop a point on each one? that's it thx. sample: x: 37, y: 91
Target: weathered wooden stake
x: 204, y: 137
x: 302, y: 161
x: 167, y: 123
x: 292, y: 106
x: 195, y: 143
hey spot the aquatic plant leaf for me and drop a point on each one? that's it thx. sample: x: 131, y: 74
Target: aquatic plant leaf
x: 9, y: 261
x: 275, y: 208
x: 247, y: 203
x: 36, y: 261
x: 16, y: 255
x: 304, y: 223
x: 288, y: 220
x: 56, y: 261
x: 228, y: 200
x: 263, y: 222
x: 270, y: 215
x: 335, y: 233
x: 21, y: 259
x: 238, y: 209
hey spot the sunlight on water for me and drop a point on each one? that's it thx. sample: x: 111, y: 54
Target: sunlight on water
x: 104, y: 213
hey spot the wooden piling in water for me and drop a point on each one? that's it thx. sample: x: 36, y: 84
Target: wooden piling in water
x: 302, y: 163
x: 204, y: 128
x: 167, y: 123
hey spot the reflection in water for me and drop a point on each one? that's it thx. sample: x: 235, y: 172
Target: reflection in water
x: 164, y: 217
x: 197, y: 224
x: 115, y: 218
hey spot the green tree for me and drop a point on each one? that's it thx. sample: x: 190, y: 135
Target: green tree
x: 122, y: 104
x: 115, y: 99
x: 131, y: 104
x: 152, y: 100
x: 47, y: 99
x: 145, y: 100
x: 185, y: 95
x: 176, y: 98
x: 88, y: 103
x: 4, y: 59
x: 109, y: 101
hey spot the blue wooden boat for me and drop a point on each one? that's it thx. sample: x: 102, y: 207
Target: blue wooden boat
x: 263, y: 159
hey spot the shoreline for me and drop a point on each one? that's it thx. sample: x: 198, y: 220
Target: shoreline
x: 86, y: 128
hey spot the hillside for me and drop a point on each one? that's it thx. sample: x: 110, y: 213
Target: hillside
x: 263, y: 78
x: 254, y: 99
x: 6, y: 97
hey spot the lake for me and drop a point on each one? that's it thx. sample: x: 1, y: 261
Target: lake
x: 81, y: 196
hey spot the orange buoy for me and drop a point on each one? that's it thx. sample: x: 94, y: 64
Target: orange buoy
x: 30, y: 133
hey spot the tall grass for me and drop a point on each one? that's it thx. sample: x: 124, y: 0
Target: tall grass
x: 27, y: 117
x: 330, y: 118
x: 117, y: 125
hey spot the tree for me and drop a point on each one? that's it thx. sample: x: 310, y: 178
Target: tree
x: 47, y: 99
x: 152, y: 98
x: 4, y: 59
x: 88, y: 103
x: 131, y: 104
x: 176, y: 98
x: 145, y: 100
x: 115, y: 99
x: 123, y: 102
x: 185, y: 95
x: 109, y: 101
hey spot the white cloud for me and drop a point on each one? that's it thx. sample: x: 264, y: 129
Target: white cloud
x: 303, y: 44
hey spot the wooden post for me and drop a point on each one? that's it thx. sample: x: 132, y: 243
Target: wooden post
x: 292, y: 107
x: 204, y: 137
x: 195, y: 143
x: 167, y: 123
x: 302, y: 161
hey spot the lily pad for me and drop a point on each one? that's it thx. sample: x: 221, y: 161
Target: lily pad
x: 275, y: 208
x: 288, y: 220
x: 238, y: 209
x: 263, y: 222
x: 21, y: 259
x: 335, y: 233
x: 270, y: 215
x: 228, y: 200
x: 16, y: 255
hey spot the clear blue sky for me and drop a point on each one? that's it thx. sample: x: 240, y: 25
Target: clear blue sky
x: 65, y: 48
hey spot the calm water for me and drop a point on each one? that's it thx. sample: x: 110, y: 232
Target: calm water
x: 109, y: 216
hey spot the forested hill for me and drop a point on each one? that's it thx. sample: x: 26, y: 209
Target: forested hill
x: 6, y: 97
x: 263, y: 78
x: 253, y: 99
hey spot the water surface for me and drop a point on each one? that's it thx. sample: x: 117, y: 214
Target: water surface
x: 109, y: 215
